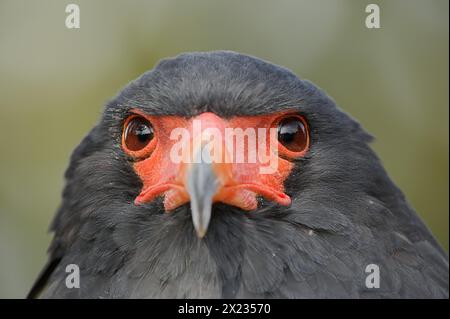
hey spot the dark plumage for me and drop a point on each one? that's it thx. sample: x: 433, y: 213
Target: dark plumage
x: 346, y: 213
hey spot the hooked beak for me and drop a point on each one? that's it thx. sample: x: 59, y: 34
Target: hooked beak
x: 202, y: 184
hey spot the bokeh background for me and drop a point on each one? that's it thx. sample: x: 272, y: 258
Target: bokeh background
x: 55, y: 81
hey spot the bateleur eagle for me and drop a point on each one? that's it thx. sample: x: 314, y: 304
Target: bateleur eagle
x: 141, y: 225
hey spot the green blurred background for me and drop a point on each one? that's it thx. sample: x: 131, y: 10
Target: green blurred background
x: 54, y: 82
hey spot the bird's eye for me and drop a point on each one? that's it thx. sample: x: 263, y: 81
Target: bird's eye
x: 137, y: 134
x: 292, y: 134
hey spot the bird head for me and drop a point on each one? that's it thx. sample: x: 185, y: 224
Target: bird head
x: 204, y: 132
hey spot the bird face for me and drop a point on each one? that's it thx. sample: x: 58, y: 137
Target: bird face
x: 219, y: 131
x: 205, y: 159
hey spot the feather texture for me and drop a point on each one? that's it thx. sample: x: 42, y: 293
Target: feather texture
x: 346, y: 212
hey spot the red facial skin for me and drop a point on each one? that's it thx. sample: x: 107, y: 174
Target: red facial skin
x: 240, y: 183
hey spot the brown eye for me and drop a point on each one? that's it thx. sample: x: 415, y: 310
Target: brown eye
x: 137, y: 134
x: 292, y: 134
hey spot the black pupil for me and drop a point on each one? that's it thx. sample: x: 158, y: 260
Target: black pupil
x: 292, y: 134
x: 142, y: 132
x: 138, y: 134
x: 288, y: 129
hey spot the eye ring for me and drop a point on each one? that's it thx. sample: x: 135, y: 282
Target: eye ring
x: 138, y: 136
x: 293, y: 135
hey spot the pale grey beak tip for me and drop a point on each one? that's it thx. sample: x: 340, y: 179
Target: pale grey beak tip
x: 201, y: 232
x: 202, y: 184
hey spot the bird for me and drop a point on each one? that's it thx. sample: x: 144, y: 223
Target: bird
x: 154, y: 207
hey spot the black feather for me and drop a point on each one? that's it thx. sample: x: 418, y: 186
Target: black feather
x: 346, y: 212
